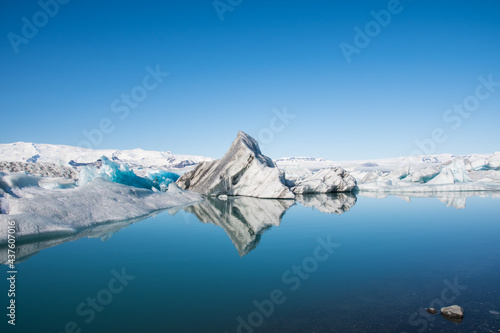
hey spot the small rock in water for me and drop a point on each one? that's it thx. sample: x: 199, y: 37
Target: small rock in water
x: 453, y: 313
x: 431, y: 310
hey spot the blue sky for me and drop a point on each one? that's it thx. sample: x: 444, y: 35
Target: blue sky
x: 237, y: 73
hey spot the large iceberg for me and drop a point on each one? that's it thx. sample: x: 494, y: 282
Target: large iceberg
x: 42, y: 212
x: 243, y: 171
x: 326, y: 181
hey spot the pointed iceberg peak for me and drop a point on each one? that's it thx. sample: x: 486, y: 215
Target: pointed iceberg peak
x: 243, y: 170
x: 244, y: 135
x: 246, y: 141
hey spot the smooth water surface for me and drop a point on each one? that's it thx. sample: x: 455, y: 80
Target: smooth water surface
x: 325, y: 264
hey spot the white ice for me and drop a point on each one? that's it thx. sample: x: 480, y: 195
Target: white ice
x: 40, y: 212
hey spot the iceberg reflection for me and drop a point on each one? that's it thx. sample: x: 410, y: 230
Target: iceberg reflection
x: 244, y: 219
x: 328, y: 203
x: 450, y: 199
x: 30, y: 247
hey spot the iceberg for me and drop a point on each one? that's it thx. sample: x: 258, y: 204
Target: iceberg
x: 452, y: 172
x: 243, y: 171
x: 8, y: 181
x: 457, y: 174
x: 400, y: 173
x: 294, y: 173
x: 58, y: 183
x: 451, y: 178
x: 43, y: 212
x: 326, y: 181
x: 485, y: 164
x: 424, y: 175
x: 161, y: 178
x: 371, y: 176
x: 121, y: 173
x: 494, y: 161
x: 11, y: 182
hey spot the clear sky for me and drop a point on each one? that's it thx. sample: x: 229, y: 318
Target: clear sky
x: 74, y: 74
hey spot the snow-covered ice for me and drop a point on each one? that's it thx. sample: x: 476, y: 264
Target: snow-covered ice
x: 43, y: 212
x: 69, y: 155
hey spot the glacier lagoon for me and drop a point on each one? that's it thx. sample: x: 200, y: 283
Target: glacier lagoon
x: 326, y: 263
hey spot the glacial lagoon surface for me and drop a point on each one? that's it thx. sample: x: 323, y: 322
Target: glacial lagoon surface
x: 323, y: 263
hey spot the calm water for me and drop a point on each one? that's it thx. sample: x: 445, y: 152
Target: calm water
x: 328, y: 264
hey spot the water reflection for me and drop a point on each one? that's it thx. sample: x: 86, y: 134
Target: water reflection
x: 28, y: 248
x: 329, y: 203
x: 244, y: 219
x: 450, y: 199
